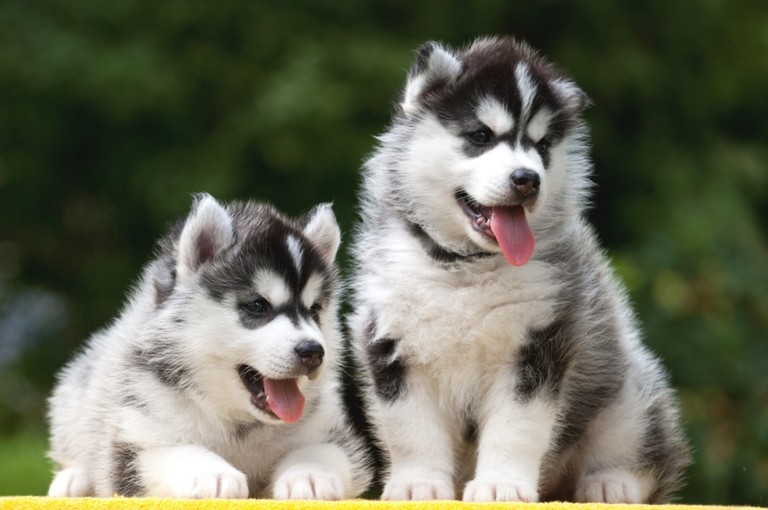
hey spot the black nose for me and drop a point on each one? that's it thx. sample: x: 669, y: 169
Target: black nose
x: 525, y: 182
x: 310, y: 353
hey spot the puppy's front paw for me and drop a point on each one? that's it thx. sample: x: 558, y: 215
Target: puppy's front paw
x: 499, y: 489
x: 214, y: 482
x: 610, y: 487
x: 70, y: 483
x: 309, y: 483
x: 417, y: 488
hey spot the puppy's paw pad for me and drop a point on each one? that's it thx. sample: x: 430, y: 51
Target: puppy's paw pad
x: 309, y: 485
x: 499, y: 490
x: 610, y: 487
x: 417, y: 489
x: 227, y: 484
x: 70, y: 483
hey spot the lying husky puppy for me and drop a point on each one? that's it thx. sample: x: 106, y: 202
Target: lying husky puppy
x: 220, y: 378
x: 504, y: 359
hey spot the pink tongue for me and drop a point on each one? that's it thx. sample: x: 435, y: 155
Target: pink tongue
x: 284, y: 398
x: 513, y: 234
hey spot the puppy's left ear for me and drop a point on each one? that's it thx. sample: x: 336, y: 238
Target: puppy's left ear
x: 323, y: 231
x: 574, y: 99
x: 207, y: 232
x: 435, y: 66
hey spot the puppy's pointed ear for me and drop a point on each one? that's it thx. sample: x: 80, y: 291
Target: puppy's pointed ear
x: 574, y: 99
x: 434, y: 67
x: 322, y: 230
x: 207, y: 232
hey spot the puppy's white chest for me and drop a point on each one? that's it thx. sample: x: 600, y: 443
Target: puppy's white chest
x: 466, y: 318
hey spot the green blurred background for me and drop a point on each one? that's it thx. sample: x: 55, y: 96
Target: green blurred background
x: 113, y: 113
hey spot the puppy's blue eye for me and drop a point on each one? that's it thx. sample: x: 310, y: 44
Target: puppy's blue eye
x: 255, y: 306
x: 482, y: 136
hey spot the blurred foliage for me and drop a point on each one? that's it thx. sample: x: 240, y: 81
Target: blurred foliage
x: 113, y: 113
x: 24, y: 470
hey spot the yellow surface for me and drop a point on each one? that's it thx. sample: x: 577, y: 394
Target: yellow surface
x: 43, y: 503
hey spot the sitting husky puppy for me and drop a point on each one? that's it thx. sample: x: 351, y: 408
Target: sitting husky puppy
x: 220, y: 378
x: 503, y: 357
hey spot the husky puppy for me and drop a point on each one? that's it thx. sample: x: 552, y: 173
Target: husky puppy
x: 220, y: 379
x: 504, y: 360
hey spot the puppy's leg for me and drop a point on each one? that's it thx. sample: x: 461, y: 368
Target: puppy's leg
x: 419, y: 442
x: 614, y: 485
x: 612, y: 473
x: 320, y: 471
x: 188, y: 471
x: 514, y: 435
x: 72, y: 482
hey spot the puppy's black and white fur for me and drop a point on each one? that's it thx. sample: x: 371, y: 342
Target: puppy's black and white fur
x: 220, y: 378
x: 503, y: 358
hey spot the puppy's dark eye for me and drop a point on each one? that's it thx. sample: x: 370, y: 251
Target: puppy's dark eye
x: 255, y: 306
x: 543, y: 145
x: 314, y: 311
x: 482, y: 136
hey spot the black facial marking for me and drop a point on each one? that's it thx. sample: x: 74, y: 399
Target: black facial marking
x: 294, y: 310
x: 480, y: 137
x: 125, y: 474
x: 255, y: 312
x: 489, y: 71
x: 388, y: 373
x: 473, y: 149
x: 543, y: 147
x: 262, y: 246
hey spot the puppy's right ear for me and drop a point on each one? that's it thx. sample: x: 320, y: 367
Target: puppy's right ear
x: 321, y: 228
x: 207, y: 232
x: 434, y: 67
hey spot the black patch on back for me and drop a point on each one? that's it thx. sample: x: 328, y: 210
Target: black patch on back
x: 388, y: 373
x: 125, y: 475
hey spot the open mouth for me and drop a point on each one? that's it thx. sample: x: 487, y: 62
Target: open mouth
x: 504, y: 224
x: 479, y: 215
x: 280, y: 398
